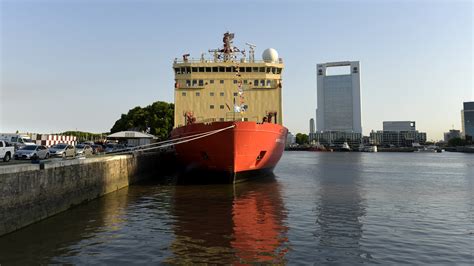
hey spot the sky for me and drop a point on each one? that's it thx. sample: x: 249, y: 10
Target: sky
x: 80, y: 64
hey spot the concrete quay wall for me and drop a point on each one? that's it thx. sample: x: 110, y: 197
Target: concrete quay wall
x: 32, y: 192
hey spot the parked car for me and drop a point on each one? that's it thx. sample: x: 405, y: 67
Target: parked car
x: 62, y: 150
x: 17, y: 140
x: 97, y: 148
x: 83, y: 149
x: 6, y: 151
x: 32, y: 152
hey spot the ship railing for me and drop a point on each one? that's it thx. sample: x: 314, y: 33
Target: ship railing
x: 193, y: 60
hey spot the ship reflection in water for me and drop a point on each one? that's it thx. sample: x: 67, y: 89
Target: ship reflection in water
x: 239, y: 224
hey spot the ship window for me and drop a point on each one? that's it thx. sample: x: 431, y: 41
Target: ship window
x: 246, y: 119
x: 242, y: 69
x: 211, y: 81
x: 235, y: 81
x: 188, y: 83
x: 211, y: 93
x: 222, y: 94
x: 188, y: 70
x: 262, y: 82
x: 269, y: 82
x: 246, y: 107
x: 201, y: 82
x: 269, y: 69
x: 254, y: 69
x: 235, y: 93
x: 208, y: 69
x: 255, y: 82
x: 232, y: 69
x: 221, y: 69
x: 198, y: 94
x: 278, y: 70
x: 221, y: 106
x: 194, y: 82
x: 211, y: 106
x: 215, y: 69
x: 183, y: 93
x: 201, y: 69
x: 194, y: 69
x: 177, y: 70
x: 262, y: 69
x: 228, y: 69
x: 245, y: 81
x: 221, y: 81
x: 273, y: 70
x: 248, y: 69
x: 221, y: 119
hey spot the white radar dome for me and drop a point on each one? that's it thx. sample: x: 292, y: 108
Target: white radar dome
x: 270, y: 55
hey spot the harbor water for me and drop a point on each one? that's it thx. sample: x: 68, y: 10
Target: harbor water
x: 341, y: 208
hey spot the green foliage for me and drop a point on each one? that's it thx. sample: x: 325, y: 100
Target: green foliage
x: 302, y: 138
x: 159, y: 117
x: 85, y: 136
x: 456, y: 142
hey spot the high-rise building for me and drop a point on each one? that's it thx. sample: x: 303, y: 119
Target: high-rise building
x: 311, y: 129
x: 338, y: 99
x: 467, y: 117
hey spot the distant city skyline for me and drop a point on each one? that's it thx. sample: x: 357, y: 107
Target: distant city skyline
x: 68, y: 65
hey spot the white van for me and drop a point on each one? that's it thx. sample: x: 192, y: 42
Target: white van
x: 18, y: 140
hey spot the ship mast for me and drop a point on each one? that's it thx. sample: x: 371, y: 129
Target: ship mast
x: 228, y: 52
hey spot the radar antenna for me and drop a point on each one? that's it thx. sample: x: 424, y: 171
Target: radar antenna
x: 227, y: 53
x: 251, y: 52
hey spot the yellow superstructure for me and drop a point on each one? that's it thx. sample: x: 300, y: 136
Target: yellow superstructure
x: 210, y: 89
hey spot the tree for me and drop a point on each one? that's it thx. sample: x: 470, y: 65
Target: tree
x: 456, y: 142
x: 302, y: 138
x: 157, y: 119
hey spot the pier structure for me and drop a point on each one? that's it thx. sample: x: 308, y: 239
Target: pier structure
x: 32, y: 192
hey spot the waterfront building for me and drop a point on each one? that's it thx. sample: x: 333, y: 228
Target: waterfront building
x: 337, y: 138
x: 311, y: 130
x: 399, y: 125
x: 338, y: 98
x: 397, y: 138
x: 452, y: 134
x: 208, y: 87
x: 467, y: 118
x: 290, y: 139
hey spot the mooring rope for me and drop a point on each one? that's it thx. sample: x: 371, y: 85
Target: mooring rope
x: 168, y: 143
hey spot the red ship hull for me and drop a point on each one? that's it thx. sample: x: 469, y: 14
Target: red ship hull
x: 240, y: 151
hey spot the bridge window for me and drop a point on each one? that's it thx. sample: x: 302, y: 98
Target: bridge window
x: 262, y: 82
x: 211, y: 93
x: 215, y: 69
x: 177, y: 70
x: 221, y: 119
x: 255, y: 82
x: 211, y: 106
x: 194, y: 82
x: 228, y: 69
x: 221, y: 69
x: 235, y: 81
x: 201, y: 82
x: 194, y: 69
x: 254, y: 69
x: 221, y: 106
x: 235, y: 93
x: 198, y: 94
x: 222, y: 94
x: 262, y: 69
x: 211, y: 81
x: 222, y: 81
x: 183, y: 93
x: 201, y: 69
x: 208, y: 69
x: 269, y: 83
x: 278, y: 70
x: 188, y: 83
